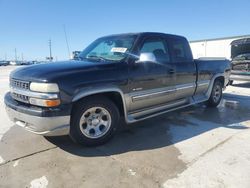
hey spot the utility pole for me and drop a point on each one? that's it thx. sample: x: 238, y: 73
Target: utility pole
x: 66, y: 39
x: 50, y: 51
x: 15, y: 55
x: 22, y: 57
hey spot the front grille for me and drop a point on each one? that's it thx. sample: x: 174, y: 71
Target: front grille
x: 241, y: 66
x: 19, y: 84
x: 20, y: 97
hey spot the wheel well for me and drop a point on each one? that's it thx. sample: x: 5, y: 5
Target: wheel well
x: 221, y: 79
x: 113, y: 96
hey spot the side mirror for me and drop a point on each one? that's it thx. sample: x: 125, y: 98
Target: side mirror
x: 146, y: 57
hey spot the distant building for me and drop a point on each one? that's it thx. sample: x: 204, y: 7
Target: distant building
x: 218, y: 47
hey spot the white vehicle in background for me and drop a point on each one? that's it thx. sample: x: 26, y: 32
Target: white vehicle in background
x: 15, y: 63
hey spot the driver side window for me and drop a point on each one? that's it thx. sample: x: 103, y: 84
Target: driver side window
x: 158, y: 48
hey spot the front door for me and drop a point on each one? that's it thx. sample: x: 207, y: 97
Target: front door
x: 151, y: 83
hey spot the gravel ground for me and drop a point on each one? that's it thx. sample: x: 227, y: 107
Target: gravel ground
x: 192, y: 147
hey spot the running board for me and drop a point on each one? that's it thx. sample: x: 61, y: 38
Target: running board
x: 152, y: 112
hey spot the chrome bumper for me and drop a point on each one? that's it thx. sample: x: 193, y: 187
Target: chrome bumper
x: 240, y: 77
x: 47, y: 126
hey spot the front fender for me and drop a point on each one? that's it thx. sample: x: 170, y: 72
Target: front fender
x: 101, y: 90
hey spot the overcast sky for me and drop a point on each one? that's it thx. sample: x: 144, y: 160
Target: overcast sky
x: 27, y: 25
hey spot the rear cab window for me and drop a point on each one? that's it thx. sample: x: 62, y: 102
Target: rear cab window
x: 180, y: 50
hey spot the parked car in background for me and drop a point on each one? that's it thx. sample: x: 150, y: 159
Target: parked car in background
x: 240, y: 51
x: 4, y: 63
x: 135, y: 76
x: 34, y: 62
x: 25, y: 63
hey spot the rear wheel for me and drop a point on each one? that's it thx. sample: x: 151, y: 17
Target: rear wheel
x: 94, y: 121
x: 216, y: 94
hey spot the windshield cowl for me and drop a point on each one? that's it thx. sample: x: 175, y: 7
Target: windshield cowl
x: 94, y: 59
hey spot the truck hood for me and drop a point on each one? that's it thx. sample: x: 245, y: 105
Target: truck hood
x: 48, y: 71
x: 240, y: 46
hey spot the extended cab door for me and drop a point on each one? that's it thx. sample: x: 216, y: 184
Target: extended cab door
x: 151, y: 83
x: 184, y: 66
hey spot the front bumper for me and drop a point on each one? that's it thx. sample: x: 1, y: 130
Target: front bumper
x: 34, y: 120
x: 240, y: 77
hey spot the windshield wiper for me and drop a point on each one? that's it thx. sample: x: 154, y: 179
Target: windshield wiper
x: 80, y: 58
x: 96, y: 57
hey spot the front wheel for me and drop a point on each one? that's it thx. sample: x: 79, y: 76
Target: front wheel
x: 216, y: 94
x: 94, y: 121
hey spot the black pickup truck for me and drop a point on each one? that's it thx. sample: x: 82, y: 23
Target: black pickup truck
x: 135, y: 76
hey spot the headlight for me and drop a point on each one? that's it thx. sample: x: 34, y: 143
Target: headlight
x: 44, y: 102
x: 44, y: 87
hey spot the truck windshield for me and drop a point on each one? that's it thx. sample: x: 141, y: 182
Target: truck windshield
x: 112, y: 48
x: 240, y: 49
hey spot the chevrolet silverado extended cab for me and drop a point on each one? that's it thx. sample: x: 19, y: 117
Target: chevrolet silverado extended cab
x: 135, y: 76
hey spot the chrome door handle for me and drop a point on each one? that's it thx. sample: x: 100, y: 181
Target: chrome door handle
x: 171, y: 71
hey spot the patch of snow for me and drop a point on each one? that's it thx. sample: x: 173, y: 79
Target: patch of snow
x: 15, y: 163
x: 1, y: 160
x: 131, y: 172
x: 6, y: 124
x: 39, y: 183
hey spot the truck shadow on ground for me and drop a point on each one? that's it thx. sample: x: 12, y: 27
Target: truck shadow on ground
x: 242, y: 84
x: 166, y: 130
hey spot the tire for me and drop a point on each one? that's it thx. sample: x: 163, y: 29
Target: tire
x: 231, y: 82
x: 94, y: 121
x: 216, y: 94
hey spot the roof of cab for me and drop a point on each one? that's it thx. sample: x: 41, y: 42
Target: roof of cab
x: 146, y: 34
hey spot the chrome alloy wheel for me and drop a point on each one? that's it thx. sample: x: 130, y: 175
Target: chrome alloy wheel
x: 217, y: 93
x: 95, y: 122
